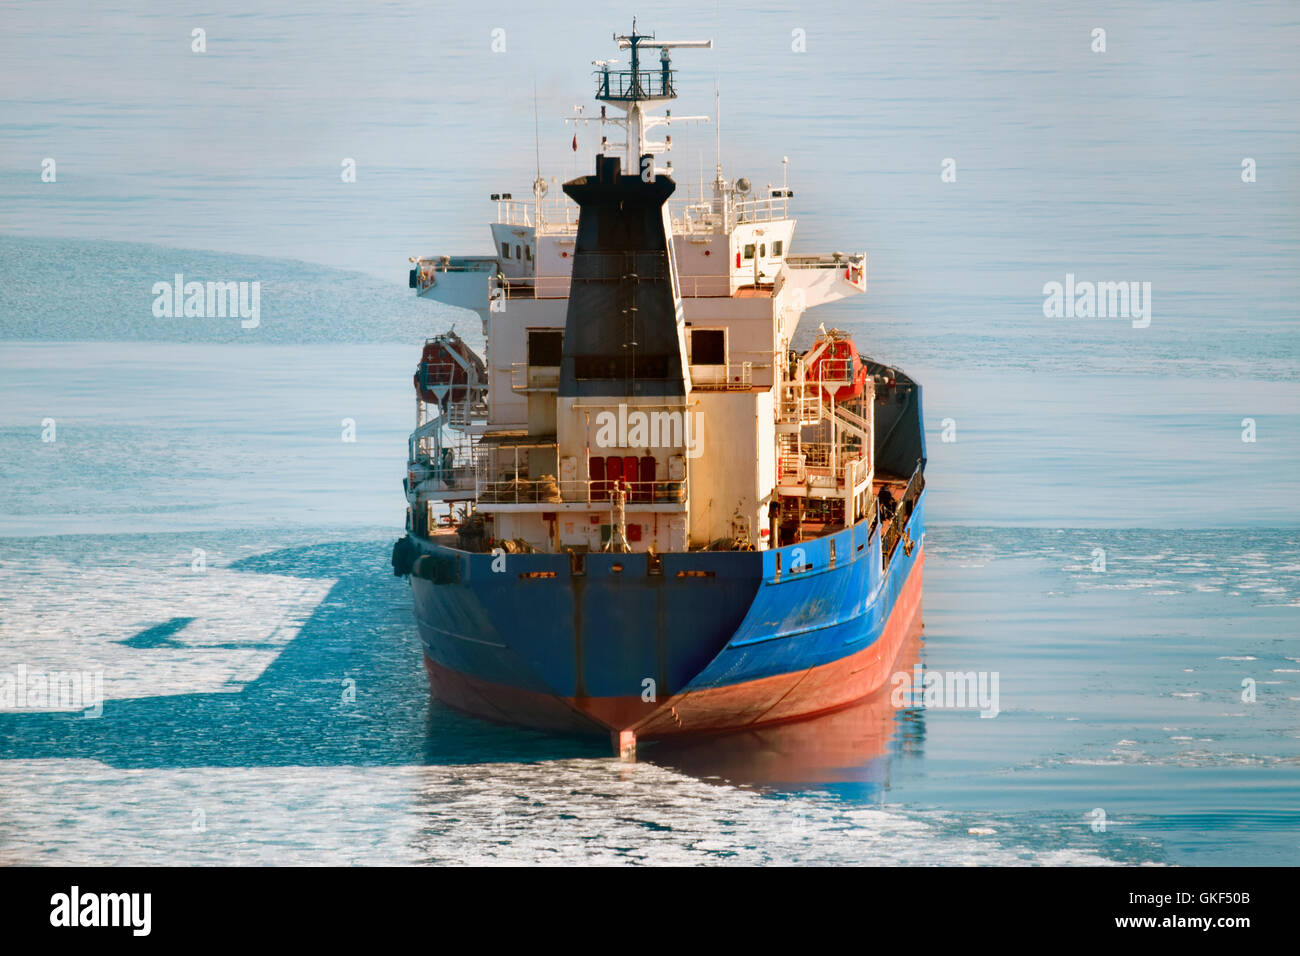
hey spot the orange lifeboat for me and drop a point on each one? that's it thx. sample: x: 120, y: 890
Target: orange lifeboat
x: 839, y: 369
x: 449, y: 370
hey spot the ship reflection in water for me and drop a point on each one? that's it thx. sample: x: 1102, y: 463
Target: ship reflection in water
x: 851, y: 745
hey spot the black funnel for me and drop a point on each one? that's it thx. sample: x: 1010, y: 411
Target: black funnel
x: 620, y: 333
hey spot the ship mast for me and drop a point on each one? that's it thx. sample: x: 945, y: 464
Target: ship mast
x: 629, y: 90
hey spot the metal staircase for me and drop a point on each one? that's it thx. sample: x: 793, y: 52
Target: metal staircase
x: 802, y: 403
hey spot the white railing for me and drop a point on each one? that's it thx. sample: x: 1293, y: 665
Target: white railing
x: 433, y: 481
x: 558, y: 215
x: 687, y: 216
x: 819, y: 460
x: 790, y: 470
x: 538, y: 287
x: 853, y: 420
x: 825, y: 261
x: 542, y: 378
x: 715, y: 285
x: 697, y: 218
x: 734, y: 376
x: 761, y: 210
x: 833, y: 371
x: 428, y: 267
x: 697, y: 211
x: 799, y: 405
x: 467, y: 413
x: 545, y: 490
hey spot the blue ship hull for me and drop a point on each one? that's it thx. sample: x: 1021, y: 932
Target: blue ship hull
x: 705, y: 642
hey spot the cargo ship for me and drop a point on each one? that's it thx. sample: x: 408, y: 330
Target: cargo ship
x: 645, y: 510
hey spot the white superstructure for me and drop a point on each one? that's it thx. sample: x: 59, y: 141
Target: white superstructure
x: 760, y: 429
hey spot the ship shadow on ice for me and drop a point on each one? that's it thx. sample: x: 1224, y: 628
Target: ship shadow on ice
x: 297, y: 712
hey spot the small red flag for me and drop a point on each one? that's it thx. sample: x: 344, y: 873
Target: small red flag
x: 575, y: 142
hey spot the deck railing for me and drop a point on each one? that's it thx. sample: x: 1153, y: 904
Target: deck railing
x: 896, y: 527
x: 734, y: 376
x: 790, y: 469
x: 435, y: 480
x: 538, y: 378
x: 761, y: 210
x: 693, y: 215
x: 799, y: 404
x: 833, y: 371
x: 634, y: 84
x: 427, y: 269
x: 551, y: 216
x: 716, y: 285
x: 545, y: 490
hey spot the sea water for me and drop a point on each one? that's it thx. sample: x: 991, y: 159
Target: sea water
x: 203, y: 513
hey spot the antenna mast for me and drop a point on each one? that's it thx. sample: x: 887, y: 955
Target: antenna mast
x: 537, y: 133
x: 539, y: 184
x: 717, y: 131
x: 629, y: 89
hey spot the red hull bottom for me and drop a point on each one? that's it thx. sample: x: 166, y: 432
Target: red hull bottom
x: 782, y: 697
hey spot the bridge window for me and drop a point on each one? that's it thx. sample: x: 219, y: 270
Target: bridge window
x: 762, y: 251
x: 545, y: 346
x: 620, y: 367
x: 708, y: 347
x: 505, y: 250
x: 749, y: 251
x: 777, y: 247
